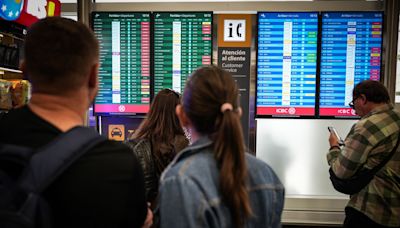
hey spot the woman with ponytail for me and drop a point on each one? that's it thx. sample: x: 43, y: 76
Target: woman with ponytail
x: 214, y: 182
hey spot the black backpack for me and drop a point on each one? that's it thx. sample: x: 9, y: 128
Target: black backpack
x: 25, y: 173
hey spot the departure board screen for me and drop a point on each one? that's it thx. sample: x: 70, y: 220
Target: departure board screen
x: 286, y: 64
x: 124, y: 73
x: 182, y: 43
x: 350, y: 53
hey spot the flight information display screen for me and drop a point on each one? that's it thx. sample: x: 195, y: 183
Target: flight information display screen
x: 182, y: 43
x: 286, y: 64
x: 350, y: 53
x: 124, y: 73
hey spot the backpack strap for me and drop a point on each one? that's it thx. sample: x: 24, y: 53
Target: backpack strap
x: 54, y: 158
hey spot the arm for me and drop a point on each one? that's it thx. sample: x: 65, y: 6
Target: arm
x: 346, y: 161
x: 149, y: 218
x: 278, y: 208
x: 140, y: 202
x: 142, y: 149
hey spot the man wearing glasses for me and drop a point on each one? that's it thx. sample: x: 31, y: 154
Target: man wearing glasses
x: 369, y: 141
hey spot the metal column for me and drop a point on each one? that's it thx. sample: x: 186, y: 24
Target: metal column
x: 390, y: 45
x: 84, y: 10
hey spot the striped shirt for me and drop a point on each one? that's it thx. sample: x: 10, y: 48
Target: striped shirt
x: 369, y: 141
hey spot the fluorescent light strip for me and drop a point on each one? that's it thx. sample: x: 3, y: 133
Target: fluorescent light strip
x: 10, y: 70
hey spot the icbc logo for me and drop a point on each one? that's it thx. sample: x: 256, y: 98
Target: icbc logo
x: 281, y: 110
x: 344, y: 111
x: 290, y: 111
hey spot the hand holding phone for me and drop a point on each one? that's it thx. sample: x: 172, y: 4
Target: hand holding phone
x: 333, y: 130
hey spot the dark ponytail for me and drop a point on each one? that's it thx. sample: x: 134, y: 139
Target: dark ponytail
x: 208, y: 89
x: 161, y: 127
x: 229, y: 152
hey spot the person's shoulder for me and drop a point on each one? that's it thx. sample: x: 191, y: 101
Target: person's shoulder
x: 378, y: 119
x: 112, y: 145
x: 189, y: 164
x: 394, y: 113
x: 110, y: 156
x: 255, y: 163
x: 138, y: 142
x: 260, y: 170
x: 141, y: 148
x: 173, y: 169
x: 112, y: 149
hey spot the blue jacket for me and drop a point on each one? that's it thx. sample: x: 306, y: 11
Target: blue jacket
x: 190, y: 197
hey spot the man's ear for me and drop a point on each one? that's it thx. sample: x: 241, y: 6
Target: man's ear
x: 183, y: 119
x: 93, y: 76
x: 363, y: 98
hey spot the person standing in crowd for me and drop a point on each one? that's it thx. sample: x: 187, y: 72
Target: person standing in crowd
x: 214, y: 182
x: 368, y: 143
x: 103, y: 188
x: 158, y: 139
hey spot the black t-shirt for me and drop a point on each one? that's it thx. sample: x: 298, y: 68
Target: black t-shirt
x: 104, y: 188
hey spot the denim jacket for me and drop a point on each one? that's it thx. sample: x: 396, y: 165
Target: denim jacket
x: 190, y: 197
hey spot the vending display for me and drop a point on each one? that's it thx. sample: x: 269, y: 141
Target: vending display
x: 182, y: 43
x: 350, y: 53
x: 286, y: 64
x: 124, y: 73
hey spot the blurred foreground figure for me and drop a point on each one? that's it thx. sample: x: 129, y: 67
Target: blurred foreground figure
x: 104, y: 187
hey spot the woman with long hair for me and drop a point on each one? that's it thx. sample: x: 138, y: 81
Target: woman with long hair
x: 214, y: 182
x: 158, y: 139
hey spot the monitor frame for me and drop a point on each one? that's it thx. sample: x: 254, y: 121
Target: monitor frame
x: 143, y: 106
x: 287, y: 116
x: 153, y: 92
x: 320, y: 62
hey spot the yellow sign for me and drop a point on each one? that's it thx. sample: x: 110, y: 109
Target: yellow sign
x: 116, y: 132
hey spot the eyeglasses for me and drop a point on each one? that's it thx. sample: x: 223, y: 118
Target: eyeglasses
x: 351, y: 103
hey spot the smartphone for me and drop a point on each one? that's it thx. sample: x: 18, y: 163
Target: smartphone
x: 333, y: 130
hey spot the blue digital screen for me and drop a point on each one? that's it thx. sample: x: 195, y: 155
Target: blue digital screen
x: 350, y: 53
x: 286, y: 64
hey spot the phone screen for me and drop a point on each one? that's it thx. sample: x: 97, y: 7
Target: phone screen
x: 333, y: 130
